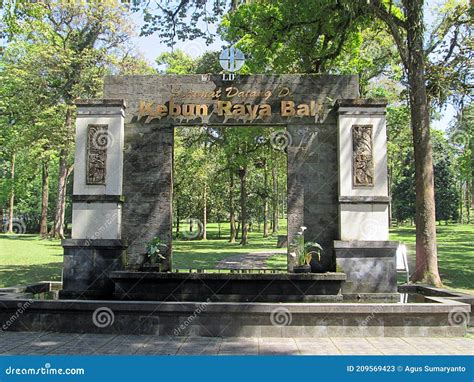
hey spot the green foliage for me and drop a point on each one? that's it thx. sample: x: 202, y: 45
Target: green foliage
x: 177, y: 62
x: 311, y: 248
x: 155, y: 249
x: 54, y: 53
x: 446, y: 196
x: 293, y: 37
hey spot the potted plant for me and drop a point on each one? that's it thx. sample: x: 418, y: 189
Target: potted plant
x: 304, y: 252
x: 154, y: 256
x: 314, y: 250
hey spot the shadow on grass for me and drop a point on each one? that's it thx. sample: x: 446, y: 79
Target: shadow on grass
x: 11, y: 275
x: 455, y: 252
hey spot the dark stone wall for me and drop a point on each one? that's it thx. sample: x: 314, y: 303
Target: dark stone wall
x: 313, y: 185
x: 147, y: 186
x: 312, y: 154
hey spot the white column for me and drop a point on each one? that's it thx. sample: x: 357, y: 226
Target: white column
x: 98, y: 170
x: 363, y: 177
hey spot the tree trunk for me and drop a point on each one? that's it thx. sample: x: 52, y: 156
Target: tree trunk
x: 204, y: 213
x: 426, y: 254
x: 472, y: 172
x: 275, y: 224
x: 243, y: 206
x: 232, y: 209
x: 237, y: 230
x: 57, y: 231
x: 265, y: 201
x: 44, y: 200
x: 177, y: 220
x: 12, y: 195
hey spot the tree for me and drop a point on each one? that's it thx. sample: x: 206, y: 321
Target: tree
x: 177, y: 62
x: 406, y: 26
x: 322, y: 28
x: 76, y: 40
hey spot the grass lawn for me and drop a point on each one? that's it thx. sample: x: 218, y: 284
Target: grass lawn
x: 455, y: 253
x: 199, y: 254
x: 26, y: 258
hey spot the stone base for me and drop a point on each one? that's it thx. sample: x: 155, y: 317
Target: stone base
x: 370, y: 267
x: 218, y: 319
x: 220, y: 287
x: 87, y: 265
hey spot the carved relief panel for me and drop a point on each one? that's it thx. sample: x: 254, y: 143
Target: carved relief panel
x: 362, y: 156
x: 97, y: 143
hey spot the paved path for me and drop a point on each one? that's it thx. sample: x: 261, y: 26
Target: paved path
x: 248, y: 260
x: 63, y: 343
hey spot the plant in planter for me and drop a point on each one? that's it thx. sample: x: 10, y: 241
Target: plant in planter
x: 304, y: 252
x: 314, y: 250
x: 155, y: 249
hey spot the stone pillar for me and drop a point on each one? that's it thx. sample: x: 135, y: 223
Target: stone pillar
x: 363, y: 251
x: 96, y: 247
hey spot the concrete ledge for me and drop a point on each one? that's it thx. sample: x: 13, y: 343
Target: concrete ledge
x: 94, y: 243
x: 338, y: 244
x: 364, y: 199
x: 97, y: 102
x: 228, y: 287
x: 361, y: 102
x: 337, y: 276
x: 98, y: 198
x: 370, y: 266
x: 239, y: 319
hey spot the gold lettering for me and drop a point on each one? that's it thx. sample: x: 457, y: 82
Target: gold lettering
x: 223, y: 108
x: 188, y: 110
x: 303, y: 110
x: 284, y: 92
x: 162, y: 110
x: 145, y: 108
x: 231, y: 91
x: 175, y: 109
x: 266, y: 110
x: 201, y: 109
x: 238, y: 110
x: 316, y: 108
x: 287, y: 108
x: 252, y: 110
x: 267, y: 94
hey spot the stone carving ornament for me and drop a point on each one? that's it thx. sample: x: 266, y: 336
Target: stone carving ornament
x: 97, y: 142
x: 362, y: 156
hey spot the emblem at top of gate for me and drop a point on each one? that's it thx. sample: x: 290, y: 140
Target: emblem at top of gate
x: 231, y: 60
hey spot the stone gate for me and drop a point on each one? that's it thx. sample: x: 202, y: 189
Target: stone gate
x: 123, y: 179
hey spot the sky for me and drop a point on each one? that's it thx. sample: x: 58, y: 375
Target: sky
x: 151, y: 47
